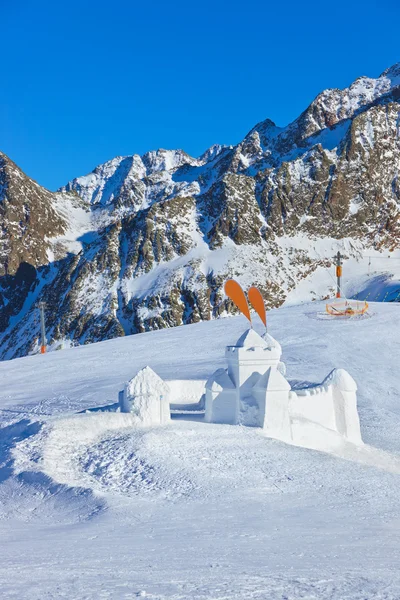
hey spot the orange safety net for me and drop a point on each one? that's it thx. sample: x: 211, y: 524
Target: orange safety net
x: 346, y: 308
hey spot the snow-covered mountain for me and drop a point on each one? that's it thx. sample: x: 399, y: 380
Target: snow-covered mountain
x: 146, y: 242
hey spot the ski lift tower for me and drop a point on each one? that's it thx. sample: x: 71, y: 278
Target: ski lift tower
x: 43, y: 343
x: 338, y: 262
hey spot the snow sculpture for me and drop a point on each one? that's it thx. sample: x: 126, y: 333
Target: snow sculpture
x: 253, y: 391
x: 146, y: 396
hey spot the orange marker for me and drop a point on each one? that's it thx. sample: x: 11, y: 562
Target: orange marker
x: 234, y: 291
x: 257, y: 301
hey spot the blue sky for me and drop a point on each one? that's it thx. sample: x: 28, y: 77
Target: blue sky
x: 84, y: 81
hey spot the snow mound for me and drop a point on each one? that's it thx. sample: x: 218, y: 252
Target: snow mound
x: 27, y: 493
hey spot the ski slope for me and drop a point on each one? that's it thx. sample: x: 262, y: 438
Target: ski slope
x: 93, y: 507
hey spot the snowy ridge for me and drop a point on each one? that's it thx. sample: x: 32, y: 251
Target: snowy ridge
x: 329, y: 108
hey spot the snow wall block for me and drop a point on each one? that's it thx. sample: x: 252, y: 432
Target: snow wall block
x: 314, y: 404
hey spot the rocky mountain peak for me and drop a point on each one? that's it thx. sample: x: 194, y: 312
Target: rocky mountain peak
x: 211, y: 153
x: 332, y: 106
x: 166, y: 160
x: 392, y: 73
x: 27, y: 219
x: 145, y: 242
x: 266, y: 131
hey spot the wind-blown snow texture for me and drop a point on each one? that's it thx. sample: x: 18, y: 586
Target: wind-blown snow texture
x: 146, y: 242
x: 93, y: 506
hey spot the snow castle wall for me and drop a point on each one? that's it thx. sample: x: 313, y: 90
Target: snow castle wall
x: 186, y: 392
x: 314, y: 404
x: 332, y: 404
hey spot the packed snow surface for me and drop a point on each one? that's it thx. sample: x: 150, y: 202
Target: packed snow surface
x: 94, y: 506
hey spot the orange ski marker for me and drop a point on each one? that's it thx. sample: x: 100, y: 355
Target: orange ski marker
x: 234, y: 291
x: 257, y: 301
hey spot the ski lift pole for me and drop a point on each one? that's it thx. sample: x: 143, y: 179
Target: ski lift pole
x: 42, y: 306
x: 338, y: 263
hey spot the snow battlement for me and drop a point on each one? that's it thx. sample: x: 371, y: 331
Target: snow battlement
x: 251, y: 341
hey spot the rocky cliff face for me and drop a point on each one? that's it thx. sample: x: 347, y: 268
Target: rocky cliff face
x: 27, y: 217
x: 147, y: 242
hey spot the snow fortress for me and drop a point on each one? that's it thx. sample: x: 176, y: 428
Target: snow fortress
x: 253, y: 391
